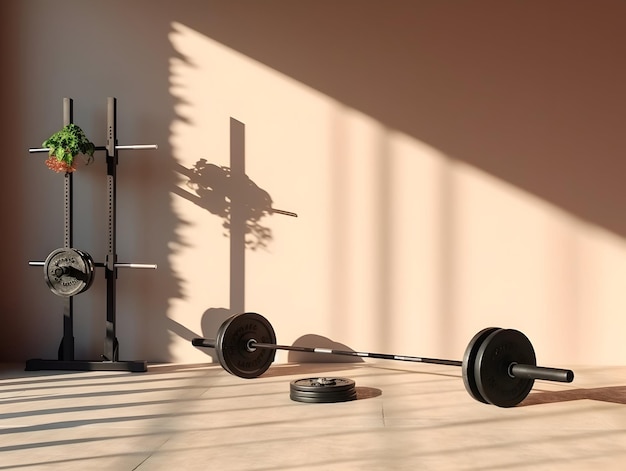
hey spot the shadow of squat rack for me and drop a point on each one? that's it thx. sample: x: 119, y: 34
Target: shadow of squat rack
x: 80, y: 270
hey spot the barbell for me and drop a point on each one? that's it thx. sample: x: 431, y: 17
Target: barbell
x: 499, y: 365
x: 69, y: 271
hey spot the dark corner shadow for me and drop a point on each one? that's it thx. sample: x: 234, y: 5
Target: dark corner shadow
x: 614, y: 394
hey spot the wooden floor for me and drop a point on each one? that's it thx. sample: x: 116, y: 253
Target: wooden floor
x: 407, y: 417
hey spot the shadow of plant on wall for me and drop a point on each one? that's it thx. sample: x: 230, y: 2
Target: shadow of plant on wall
x: 217, y: 190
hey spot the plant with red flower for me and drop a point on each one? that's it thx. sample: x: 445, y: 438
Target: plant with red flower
x: 66, y: 144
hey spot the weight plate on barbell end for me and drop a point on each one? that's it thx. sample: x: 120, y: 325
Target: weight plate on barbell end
x: 322, y: 390
x: 497, y: 353
x: 469, y: 360
x: 68, y: 272
x: 232, y: 341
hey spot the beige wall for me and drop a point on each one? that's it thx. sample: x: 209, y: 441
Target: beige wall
x: 454, y: 165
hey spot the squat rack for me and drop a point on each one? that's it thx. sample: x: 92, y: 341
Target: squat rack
x: 110, y: 356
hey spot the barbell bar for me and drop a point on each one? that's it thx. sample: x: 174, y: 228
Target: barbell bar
x: 252, y: 345
x: 499, y: 365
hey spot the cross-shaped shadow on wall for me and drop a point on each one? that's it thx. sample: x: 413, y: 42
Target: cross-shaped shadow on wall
x: 228, y: 193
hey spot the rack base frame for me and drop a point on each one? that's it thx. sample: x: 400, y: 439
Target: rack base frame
x: 36, y: 364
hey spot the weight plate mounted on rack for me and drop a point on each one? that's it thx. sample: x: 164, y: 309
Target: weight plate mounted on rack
x: 68, y: 272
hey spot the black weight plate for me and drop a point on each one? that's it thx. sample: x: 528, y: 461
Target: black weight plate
x: 322, y: 390
x: 322, y: 398
x: 68, y: 272
x: 495, y: 356
x: 91, y: 269
x: 322, y: 385
x: 231, y: 345
x: 469, y: 360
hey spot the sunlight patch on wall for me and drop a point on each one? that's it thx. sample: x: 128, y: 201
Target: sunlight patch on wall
x: 396, y: 245
x: 523, y: 263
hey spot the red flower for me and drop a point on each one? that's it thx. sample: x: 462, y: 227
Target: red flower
x: 59, y: 165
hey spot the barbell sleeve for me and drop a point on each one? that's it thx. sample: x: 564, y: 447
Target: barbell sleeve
x: 199, y: 342
x: 137, y: 147
x: 38, y: 150
x: 35, y: 150
x: 151, y: 266
x: 541, y: 372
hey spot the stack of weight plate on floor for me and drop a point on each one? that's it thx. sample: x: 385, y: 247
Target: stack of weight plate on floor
x: 322, y: 390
